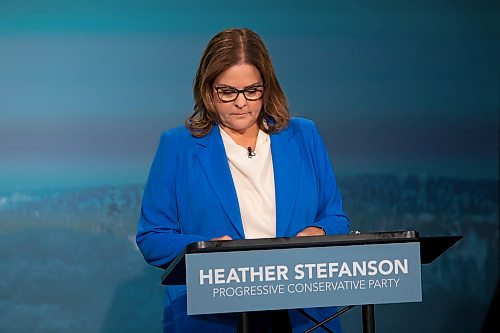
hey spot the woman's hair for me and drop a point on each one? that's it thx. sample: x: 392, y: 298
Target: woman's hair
x: 228, y: 48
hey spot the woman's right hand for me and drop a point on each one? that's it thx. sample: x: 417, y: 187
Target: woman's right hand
x: 222, y: 238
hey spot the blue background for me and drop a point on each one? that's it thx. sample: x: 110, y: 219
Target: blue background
x: 405, y: 94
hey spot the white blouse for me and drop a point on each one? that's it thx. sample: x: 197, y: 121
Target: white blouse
x: 254, y: 182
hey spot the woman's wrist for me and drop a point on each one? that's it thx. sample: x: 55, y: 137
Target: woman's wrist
x: 312, y: 231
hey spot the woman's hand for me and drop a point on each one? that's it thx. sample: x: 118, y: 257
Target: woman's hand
x: 311, y: 231
x: 222, y: 238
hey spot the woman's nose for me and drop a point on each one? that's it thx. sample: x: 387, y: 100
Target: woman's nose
x: 240, y: 101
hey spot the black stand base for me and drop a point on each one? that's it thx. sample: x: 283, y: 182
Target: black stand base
x: 264, y: 322
x: 368, y: 314
x: 243, y: 323
x: 279, y: 322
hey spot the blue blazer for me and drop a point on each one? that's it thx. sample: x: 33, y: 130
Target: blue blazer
x: 190, y: 197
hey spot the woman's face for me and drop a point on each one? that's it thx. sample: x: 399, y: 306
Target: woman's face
x: 241, y: 114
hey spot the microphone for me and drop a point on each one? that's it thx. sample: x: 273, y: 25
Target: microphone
x: 251, y: 153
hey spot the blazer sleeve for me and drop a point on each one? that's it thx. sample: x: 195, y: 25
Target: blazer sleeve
x: 159, y: 236
x: 330, y: 215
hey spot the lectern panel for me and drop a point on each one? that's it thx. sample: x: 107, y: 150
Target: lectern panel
x: 290, y: 278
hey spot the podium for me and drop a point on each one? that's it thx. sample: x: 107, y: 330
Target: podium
x: 301, y: 272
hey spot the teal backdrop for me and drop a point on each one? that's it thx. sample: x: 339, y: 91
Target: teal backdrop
x: 405, y: 93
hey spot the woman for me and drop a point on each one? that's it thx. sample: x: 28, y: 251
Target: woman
x: 239, y: 168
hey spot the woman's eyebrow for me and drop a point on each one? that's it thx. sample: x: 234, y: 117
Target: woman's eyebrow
x: 222, y: 85
x: 254, y: 85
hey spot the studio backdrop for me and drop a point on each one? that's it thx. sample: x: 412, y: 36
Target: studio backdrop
x: 405, y: 95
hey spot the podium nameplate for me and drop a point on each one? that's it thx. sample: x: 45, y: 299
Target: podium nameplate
x: 238, y: 281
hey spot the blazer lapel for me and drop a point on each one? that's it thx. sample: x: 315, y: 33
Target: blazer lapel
x: 286, y: 166
x: 212, y: 157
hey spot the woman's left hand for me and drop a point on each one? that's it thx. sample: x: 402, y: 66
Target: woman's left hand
x: 311, y: 231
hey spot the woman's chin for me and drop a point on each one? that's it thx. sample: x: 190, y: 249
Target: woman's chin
x: 240, y: 125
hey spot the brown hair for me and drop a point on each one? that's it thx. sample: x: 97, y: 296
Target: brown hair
x: 228, y: 48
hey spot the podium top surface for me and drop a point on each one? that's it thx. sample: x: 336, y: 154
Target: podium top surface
x: 430, y: 247
x: 298, y: 242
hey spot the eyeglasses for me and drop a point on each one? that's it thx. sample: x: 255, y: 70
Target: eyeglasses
x: 229, y: 94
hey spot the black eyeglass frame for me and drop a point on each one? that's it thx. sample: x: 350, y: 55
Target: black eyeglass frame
x: 240, y: 91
